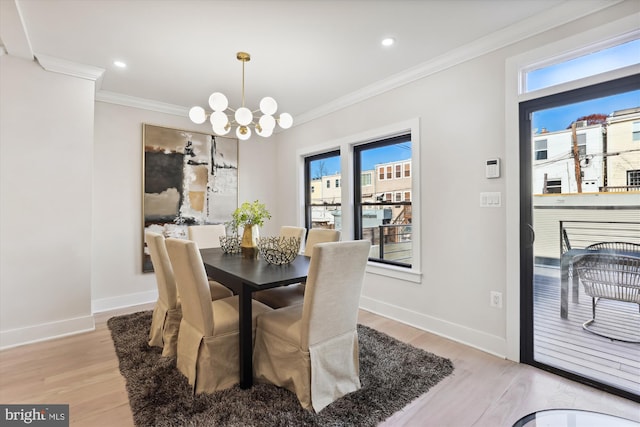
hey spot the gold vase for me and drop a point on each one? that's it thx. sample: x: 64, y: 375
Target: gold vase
x: 249, y: 244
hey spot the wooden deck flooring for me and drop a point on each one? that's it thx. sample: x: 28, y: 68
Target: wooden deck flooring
x: 563, y: 343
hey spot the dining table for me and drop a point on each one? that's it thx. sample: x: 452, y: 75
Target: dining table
x: 245, y: 275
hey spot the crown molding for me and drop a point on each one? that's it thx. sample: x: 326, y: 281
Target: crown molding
x: 557, y: 16
x: 69, y: 68
x: 142, y: 103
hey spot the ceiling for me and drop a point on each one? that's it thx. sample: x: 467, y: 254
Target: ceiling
x: 305, y: 54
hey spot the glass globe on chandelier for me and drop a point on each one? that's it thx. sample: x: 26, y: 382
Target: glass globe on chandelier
x: 243, y: 117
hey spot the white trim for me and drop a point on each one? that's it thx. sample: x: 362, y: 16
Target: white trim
x: 475, y: 338
x: 513, y: 66
x: 388, y: 270
x: 145, y: 104
x: 45, y: 331
x: 123, y: 301
x: 75, y: 69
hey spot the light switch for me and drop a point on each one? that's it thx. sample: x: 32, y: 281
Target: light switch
x: 491, y: 199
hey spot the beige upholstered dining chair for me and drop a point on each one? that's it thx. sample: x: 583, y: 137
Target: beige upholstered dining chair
x: 208, y: 342
x: 290, y: 231
x: 167, y: 312
x: 206, y: 236
x: 294, y: 294
x: 312, y: 348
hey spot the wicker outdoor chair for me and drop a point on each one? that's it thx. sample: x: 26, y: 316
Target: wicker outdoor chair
x: 616, y: 246
x: 609, y: 276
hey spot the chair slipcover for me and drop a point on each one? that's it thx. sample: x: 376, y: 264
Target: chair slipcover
x: 208, y: 342
x: 167, y: 313
x: 312, y: 348
x: 289, y: 231
x: 206, y: 236
x: 285, y: 296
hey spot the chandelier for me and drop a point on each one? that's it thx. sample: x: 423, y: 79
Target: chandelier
x: 242, y: 118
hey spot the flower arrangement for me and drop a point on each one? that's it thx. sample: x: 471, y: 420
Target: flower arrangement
x: 249, y: 214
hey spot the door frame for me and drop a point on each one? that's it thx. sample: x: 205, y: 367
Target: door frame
x: 527, y: 236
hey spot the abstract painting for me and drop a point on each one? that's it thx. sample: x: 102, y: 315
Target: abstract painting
x: 188, y: 178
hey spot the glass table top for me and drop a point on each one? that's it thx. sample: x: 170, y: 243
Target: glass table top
x: 572, y: 418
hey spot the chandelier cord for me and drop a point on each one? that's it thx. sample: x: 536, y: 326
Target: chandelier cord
x: 243, y: 62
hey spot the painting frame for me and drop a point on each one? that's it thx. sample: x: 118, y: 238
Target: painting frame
x: 188, y: 178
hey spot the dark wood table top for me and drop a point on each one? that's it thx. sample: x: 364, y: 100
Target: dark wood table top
x: 256, y: 273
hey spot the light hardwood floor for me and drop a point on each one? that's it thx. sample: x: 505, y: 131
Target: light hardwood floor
x: 484, y: 390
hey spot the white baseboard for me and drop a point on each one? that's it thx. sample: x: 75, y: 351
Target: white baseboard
x: 45, y: 331
x: 477, y: 339
x: 123, y: 301
x: 51, y: 330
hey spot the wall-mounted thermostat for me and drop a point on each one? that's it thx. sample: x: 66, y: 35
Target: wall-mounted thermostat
x: 493, y: 168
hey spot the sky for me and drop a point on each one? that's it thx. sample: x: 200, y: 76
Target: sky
x: 370, y: 158
x: 560, y: 118
x: 590, y: 64
x: 607, y: 59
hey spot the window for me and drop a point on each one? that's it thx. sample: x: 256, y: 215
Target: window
x: 337, y: 183
x: 554, y: 186
x: 564, y: 70
x: 582, y: 144
x: 322, y: 207
x: 359, y: 207
x: 633, y: 178
x: 635, y: 131
x: 541, y: 149
x: 407, y: 170
x: 385, y: 220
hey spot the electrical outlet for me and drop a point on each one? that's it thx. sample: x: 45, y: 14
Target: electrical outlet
x: 496, y: 299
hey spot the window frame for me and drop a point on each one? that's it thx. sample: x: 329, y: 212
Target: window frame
x: 345, y: 145
x: 538, y: 151
x: 389, y: 198
x: 635, y: 131
x: 307, y: 178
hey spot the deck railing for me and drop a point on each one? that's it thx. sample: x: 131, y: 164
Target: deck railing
x: 390, y: 242
x: 580, y: 234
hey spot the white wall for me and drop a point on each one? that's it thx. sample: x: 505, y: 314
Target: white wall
x: 46, y: 146
x: 464, y: 247
x: 117, y: 278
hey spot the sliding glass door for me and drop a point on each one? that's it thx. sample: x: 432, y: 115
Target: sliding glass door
x: 579, y: 186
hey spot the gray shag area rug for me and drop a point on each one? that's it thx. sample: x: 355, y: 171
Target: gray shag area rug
x: 392, y: 374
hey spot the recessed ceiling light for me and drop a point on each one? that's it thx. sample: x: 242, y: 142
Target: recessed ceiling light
x: 389, y: 41
x: 120, y: 64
